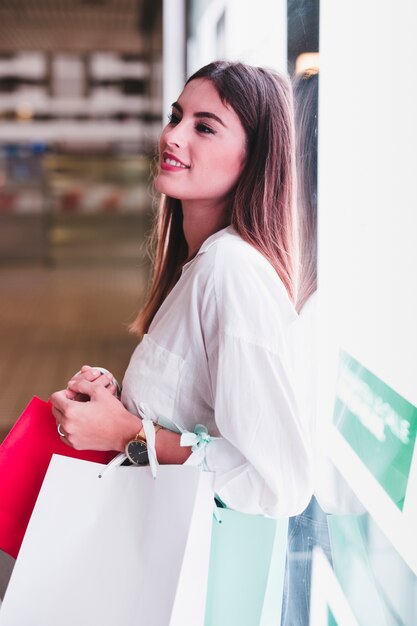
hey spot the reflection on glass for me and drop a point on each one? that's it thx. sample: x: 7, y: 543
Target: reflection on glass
x: 378, y: 424
x: 380, y: 587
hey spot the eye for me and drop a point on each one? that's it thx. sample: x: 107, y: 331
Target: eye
x: 203, y: 128
x: 173, y: 119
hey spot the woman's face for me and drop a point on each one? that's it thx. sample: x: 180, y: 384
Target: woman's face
x: 202, y: 148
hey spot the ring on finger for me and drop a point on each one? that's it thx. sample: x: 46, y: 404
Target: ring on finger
x: 60, y: 431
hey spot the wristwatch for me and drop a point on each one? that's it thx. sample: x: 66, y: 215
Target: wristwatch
x: 137, y: 449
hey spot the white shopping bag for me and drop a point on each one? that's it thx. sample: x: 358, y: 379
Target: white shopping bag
x: 122, y: 549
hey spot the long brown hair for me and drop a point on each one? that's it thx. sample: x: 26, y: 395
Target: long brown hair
x: 262, y: 206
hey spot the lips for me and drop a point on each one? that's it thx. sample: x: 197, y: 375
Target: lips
x: 171, y: 162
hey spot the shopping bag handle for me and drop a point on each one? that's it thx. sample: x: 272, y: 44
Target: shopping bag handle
x: 118, y: 460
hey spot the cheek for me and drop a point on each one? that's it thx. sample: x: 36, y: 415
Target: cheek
x: 220, y: 177
x: 230, y: 166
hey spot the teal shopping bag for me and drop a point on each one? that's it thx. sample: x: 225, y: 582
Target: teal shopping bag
x: 246, y: 573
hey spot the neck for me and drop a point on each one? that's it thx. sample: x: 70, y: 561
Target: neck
x: 200, y: 221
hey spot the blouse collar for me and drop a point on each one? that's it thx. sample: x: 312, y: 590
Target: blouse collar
x: 209, y: 242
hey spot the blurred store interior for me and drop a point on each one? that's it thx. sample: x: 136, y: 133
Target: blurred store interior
x: 80, y: 113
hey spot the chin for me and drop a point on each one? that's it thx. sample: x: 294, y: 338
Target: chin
x: 161, y: 184
x: 164, y: 187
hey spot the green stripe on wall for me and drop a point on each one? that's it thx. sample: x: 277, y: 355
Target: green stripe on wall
x: 378, y: 423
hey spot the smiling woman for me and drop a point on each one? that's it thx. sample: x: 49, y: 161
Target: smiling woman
x: 215, y: 350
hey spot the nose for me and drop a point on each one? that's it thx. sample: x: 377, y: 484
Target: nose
x: 175, y: 135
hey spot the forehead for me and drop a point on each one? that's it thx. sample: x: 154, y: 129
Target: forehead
x: 201, y: 95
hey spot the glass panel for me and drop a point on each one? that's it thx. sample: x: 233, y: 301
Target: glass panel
x: 379, y: 425
x: 380, y: 587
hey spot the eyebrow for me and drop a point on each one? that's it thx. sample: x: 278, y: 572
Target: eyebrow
x: 212, y: 116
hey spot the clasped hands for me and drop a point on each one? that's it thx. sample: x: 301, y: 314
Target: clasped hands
x: 90, y: 414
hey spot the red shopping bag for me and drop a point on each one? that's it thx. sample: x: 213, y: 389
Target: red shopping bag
x: 24, y: 458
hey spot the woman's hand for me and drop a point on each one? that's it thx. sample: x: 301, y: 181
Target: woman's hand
x: 92, y: 375
x: 102, y: 423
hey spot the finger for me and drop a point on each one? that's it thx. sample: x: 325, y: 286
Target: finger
x: 64, y: 438
x: 60, y: 423
x: 74, y: 395
x: 70, y: 394
x: 92, y: 375
x: 59, y: 400
x: 107, y: 380
x: 58, y: 415
x: 85, y: 368
x: 112, y: 386
x: 104, y: 380
x: 82, y: 386
x: 88, y: 374
x: 113, y: 389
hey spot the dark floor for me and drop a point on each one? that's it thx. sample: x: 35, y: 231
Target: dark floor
x: 54, y: 318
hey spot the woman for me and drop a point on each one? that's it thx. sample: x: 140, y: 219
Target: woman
x: 216, y: 323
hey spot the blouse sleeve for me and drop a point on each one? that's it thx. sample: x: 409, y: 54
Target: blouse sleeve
x: 262, y: 460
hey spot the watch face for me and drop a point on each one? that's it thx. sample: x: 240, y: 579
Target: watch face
x: 137, y: 452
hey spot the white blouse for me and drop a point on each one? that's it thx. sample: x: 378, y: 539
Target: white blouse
x: 217, y: 353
